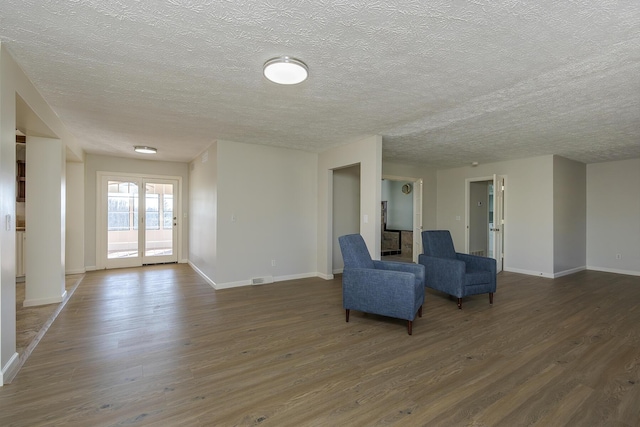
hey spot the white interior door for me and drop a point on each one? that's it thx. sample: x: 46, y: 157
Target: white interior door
x: 497, y: 229
x: 417, y: 220
x: 138, y: 221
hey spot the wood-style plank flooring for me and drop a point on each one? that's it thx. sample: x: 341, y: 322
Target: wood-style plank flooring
x: 32, y: 322
x: 158, y: 346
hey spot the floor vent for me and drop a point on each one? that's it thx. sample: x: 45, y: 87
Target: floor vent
x: 261, y: 280
x: 478, y: 253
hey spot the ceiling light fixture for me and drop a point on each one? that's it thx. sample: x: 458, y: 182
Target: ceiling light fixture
x: 144, y: 149
x: 286, y: 71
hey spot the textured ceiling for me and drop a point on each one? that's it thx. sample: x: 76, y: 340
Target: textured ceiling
x: 445, y: 83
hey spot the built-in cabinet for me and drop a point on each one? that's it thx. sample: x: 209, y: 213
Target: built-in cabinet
x: 21, y: 243
x: 21, y: 180
x: 21, y: 189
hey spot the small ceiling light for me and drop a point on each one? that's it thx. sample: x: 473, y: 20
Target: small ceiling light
x: 144, y: 149
x: 474, y: 164
x: 286, y: 71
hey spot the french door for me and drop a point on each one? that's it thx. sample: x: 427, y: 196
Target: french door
x: 139, y: 221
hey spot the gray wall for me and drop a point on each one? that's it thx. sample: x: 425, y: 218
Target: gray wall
x: 569, y: 216
x: 346, y: 208
x: 613, y: 216
x: 528, y: 246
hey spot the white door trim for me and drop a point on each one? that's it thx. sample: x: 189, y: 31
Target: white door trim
x: 101, y: 234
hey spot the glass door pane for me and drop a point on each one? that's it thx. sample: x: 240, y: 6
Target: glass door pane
x: 122, y: 219
x: 160, y: 224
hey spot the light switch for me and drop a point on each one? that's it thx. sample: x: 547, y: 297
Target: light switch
x: 366, y: 219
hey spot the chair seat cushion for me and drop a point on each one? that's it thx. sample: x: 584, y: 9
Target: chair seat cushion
x: 476, y: 277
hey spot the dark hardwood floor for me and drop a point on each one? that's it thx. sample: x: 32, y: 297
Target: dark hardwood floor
x: 158, y: 346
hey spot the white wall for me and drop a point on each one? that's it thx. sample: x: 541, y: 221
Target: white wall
x: 613, y: 216
x: 346, y: 209
x: 528, y: 204
x: 203, y: 208
x: 267, y: 210
x: 367, y: 153
x: 45, y: 220
x: 569, y: 216
x: 16, y: 90
x: 95, y: 163
x: 74, y: 239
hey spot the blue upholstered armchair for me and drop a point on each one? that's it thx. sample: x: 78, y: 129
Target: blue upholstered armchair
x: 392, y: 289
x: 456, y: 274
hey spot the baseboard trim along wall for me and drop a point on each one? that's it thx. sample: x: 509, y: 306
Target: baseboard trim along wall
x: 614, y: 270
x: 10, y: 369
x: 568, y: 272
x: 43, y: 301
x: 529, y: 272
x: 256, y: 280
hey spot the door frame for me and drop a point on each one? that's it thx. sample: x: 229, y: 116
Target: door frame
x: 497, y: 212
x: 101, y: 219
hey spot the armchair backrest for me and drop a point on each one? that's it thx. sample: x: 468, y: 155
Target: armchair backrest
x: 438, y: 243
x: 354, y: 252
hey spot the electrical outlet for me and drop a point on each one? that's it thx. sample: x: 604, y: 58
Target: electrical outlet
x: 273, y: 263
x: 618, y: 256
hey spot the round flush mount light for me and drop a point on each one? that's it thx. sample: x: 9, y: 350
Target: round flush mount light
x: 285, y: 70
x: 144, y: 149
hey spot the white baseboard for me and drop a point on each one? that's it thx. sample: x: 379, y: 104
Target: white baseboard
x: 90, y: 268
x: 79, y: 271
x: 44, y: 301
x: 228, y: 285
x: 294, y: 277
x: 338, y: 271
x: 529, y: 272
x: 614, y: 270
x: 204, y: 276
x: 10, y: 369
x: 568, y: 272
x: 248, y: 282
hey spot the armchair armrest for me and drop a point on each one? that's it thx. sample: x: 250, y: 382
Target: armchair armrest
x: 375, y: 280
x: 475, y: 262
x: 443, y: 274
x: 415, y: 269
x: 388, y: 293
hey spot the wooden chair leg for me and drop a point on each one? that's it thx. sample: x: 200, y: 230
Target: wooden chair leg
x: 409, y: 326
x: 490, y: 297
x: 420, y: 312
x: 347, y: 315
x: 460, y: 303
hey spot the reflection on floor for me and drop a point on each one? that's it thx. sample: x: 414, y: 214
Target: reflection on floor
x: 32, y: 322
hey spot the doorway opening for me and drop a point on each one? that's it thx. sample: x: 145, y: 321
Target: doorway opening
x: 346, y: 209
x: 401, y: 213
x: 138, y: 220
x: 485, y: 221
